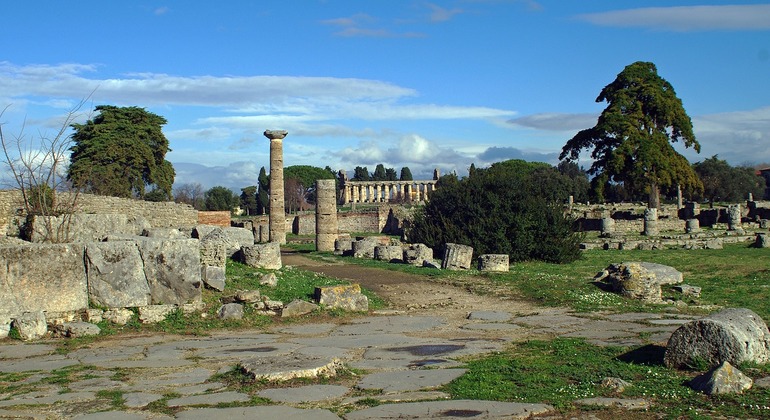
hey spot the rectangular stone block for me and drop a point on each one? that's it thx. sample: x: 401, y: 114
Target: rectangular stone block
x: 173, y: 270
x: 116, y: 275
x: 347, y: 297
x: 39, y: 277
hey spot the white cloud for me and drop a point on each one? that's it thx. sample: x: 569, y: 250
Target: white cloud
x: 556, y: 121
x: 737, y: 137
x: 687, y: 18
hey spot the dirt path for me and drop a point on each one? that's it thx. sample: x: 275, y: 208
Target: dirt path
x: 418, y: 294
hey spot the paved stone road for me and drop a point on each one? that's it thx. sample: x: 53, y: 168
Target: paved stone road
x: 406, y: 357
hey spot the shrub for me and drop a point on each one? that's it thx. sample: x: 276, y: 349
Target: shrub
x: 508, y: 208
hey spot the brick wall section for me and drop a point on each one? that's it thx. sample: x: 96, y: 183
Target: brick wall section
x: 165, y: 214
x: 215, y: 218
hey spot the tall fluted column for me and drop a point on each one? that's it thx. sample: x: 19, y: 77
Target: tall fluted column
x: 277, y: 220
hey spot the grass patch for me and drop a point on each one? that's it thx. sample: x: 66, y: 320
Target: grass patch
x: 562, y: 370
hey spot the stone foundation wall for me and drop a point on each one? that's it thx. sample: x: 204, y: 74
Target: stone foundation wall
x: 165, y: 214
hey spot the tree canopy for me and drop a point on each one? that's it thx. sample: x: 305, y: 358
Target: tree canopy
x: 120, y: 153
x: 508, y: 208
x: 220, y: 199
x: 263, y: 194
x: 303, y: 184
x: 722, y: 182
x: 406, y: 174
x: 632, y: 139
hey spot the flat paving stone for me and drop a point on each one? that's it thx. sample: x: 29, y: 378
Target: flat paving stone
x: 401, y: 324
x: 491, y: 326
x: 94, y: 384
x: 46, y: 363
x: 307, y: 329
x: 139, y: 399
x: 633, y: 317
x: 311, y: 393
x: 261, y: 412
x: 23, y: 351
x: 209, y: 399
x: 494, y: 316
x: 453, y: 409
x: 669, y: 321
x: 411, y: 380
x: 21, y: 414
x: 51, y: 399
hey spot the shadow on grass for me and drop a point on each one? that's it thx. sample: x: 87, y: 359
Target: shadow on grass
x: 650, y: 354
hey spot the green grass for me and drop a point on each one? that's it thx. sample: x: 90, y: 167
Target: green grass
x: 560, y: 371
x: 736, y: 276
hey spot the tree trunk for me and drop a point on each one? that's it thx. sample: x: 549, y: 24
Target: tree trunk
x: 654, y: 200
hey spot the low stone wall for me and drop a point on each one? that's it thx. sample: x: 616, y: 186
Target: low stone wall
x: 164, y: 214
x: 379, y: 220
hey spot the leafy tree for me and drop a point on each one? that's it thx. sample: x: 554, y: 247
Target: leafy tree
x: 406, y: 174
x: 580, y: 185
x: 632, y: 139
x: 361, y: 174
x: 390, y: 175
x: 192, y: 194
x: 500, y: 210
x: 263, y: 194
x: 120, y: 152
x: 305, y: 176
x: 249, y: 200
x: 722, y: 182
x: 220, y: 199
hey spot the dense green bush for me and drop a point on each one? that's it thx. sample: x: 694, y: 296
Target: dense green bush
x: 513, y: 207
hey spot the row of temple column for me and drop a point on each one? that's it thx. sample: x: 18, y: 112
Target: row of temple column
x: 383, y: 192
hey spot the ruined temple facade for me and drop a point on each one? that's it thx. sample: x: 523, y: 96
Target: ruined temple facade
x: 387, y: 191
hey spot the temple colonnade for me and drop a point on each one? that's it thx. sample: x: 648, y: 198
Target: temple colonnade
x: 386, y: 191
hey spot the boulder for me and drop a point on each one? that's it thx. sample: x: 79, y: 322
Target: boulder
x: 266, y: 256
x: 152, y: 314
x: 213, y: 277
x: 389, y: 253
x: 119, y: 316
x: 240, y: 236
x: 42, y: 277
x: 417, y: 253
x: 735, y: 335
x: 248, y: 296
x: 214, y: 251
x: 346, y: 297
x: 343, y: 246
x: 641, y: 280
x: 230, y: 311
x: 31, y: 325
x: 269, y: 279
x: 77, y: 329
x: 116, y: 275
x: 494, y: 262
x: 201, y: 231
x: 457, y: 257
x: 172, y: 268
x: 297, y: 308
x: 364, y: 248
x: 723, y: 379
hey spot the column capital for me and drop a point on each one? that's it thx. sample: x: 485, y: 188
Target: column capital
x: 275, y: 134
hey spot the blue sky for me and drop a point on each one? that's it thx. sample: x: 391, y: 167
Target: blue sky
x: 423, y: 84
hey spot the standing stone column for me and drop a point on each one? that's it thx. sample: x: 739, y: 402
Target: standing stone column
x: 277, y: 221
x: 608, y: 227
x: 651, y: 222
x: 734, y: 217
x: 377, y: 193
x: 326, y: 225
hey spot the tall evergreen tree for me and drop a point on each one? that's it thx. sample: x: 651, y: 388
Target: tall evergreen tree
x: 361, y: 174
x: 379, y: 173
x: 632, y: 138
x: 263, y: 193
x: 406, y: 174
x: 120, y: 153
